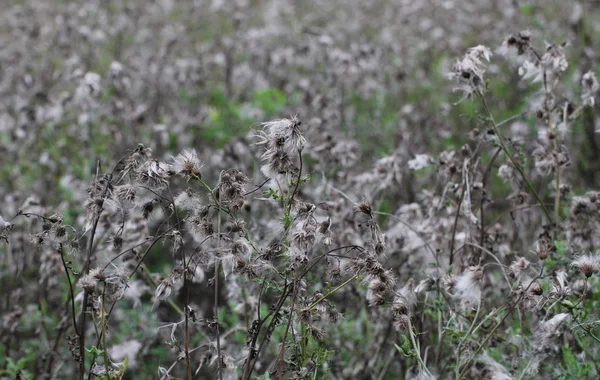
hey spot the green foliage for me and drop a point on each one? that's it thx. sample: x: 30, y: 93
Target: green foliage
x: 10, y: 367
x: 273, y: 193
x: 559, y: 258
x: 571, y: 367
x: 404, y: 348
x: 223, y: 120
x: 269, y: 285
x: 269, y: 100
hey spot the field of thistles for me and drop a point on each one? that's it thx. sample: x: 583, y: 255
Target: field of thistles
x: 269, y: 189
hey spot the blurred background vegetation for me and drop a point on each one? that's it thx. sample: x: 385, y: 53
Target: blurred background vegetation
x: 199, y: 73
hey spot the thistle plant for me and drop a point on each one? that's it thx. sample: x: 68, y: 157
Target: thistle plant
x: 317, y: 191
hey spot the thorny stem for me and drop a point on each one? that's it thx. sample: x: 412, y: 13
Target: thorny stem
x: 152, y: 245
x: 216, y: 317
x: 30, y: 214
x: 510, y: 157
x: 503, y: 214
x: 258, y: 187
x: 86, y: 269
x: 587, y: 330
x: 287, y: 329
x: 62, y: 257
x: 491, y: 333
x: 557, y: 184
x: 216, y: 277
x: 252, y: 355
x: 416, y: 348
x: 441, y: 334
x: 103, y: 322
x: 289, y: 209
x: 462, y: 197
x: 467, y: 335
x: 186, y: 291
x: 315, y: 303
x: 216, y: 305
x: 582, y: 294
x: 297, y: 183
x: 413, y: 229
x: 98, y: 341
x: 552, y: 131
x: 483, y: 197
x: 124, y: 252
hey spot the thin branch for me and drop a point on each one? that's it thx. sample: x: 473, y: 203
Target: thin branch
x: 510, y: 157
x: 462, y: 197
x: 62, y: 257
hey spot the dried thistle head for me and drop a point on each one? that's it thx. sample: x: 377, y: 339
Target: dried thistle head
x: 277, y: 162
x: 232, y: 188
x: 590, y: 85
x: 5, y: 228
x: 426, y: 285
x: 88, y: 281
x: 201, y: 222
x: 283, y: 141
x: 365, y: 207
x: 59, y: 232
x: 284, y: 133
x: 317, y: 333
x: 544, y: 245
x: 163, y: 290
x: 125, y: 193
x: 154, y: 174
x: 468, y: 72
x: 402, y: 323
x: 554, y: 60
x: 334, y: 315
x: 306, y: 315
x: 187, y: 165
x: 560, y: 287
x: 519, y: 41
x: 518, y: 266
x: 115, y: 285
x: 547, y: 332
x: 468, y: 287
x: 587, y: 264
x: 140, y: 155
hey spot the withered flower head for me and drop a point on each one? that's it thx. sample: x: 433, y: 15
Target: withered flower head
x: 518, y: 266
x: 317, y: 333
x: 115, y: 285
x: 402, y: 322
x: 590, y: 88
x: 334, y: 315
x: 125, y: 193
x: 365, y: 207
x: 469, y: 71
x: 587, y: 264
x: 88, y: 281
x: 154, y: 174
x: 285, y: 133
x: 560, y: 288
x: 305, y: 315
x: 187, y: 165
x: 59, y: 232
x: 519, y: 41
